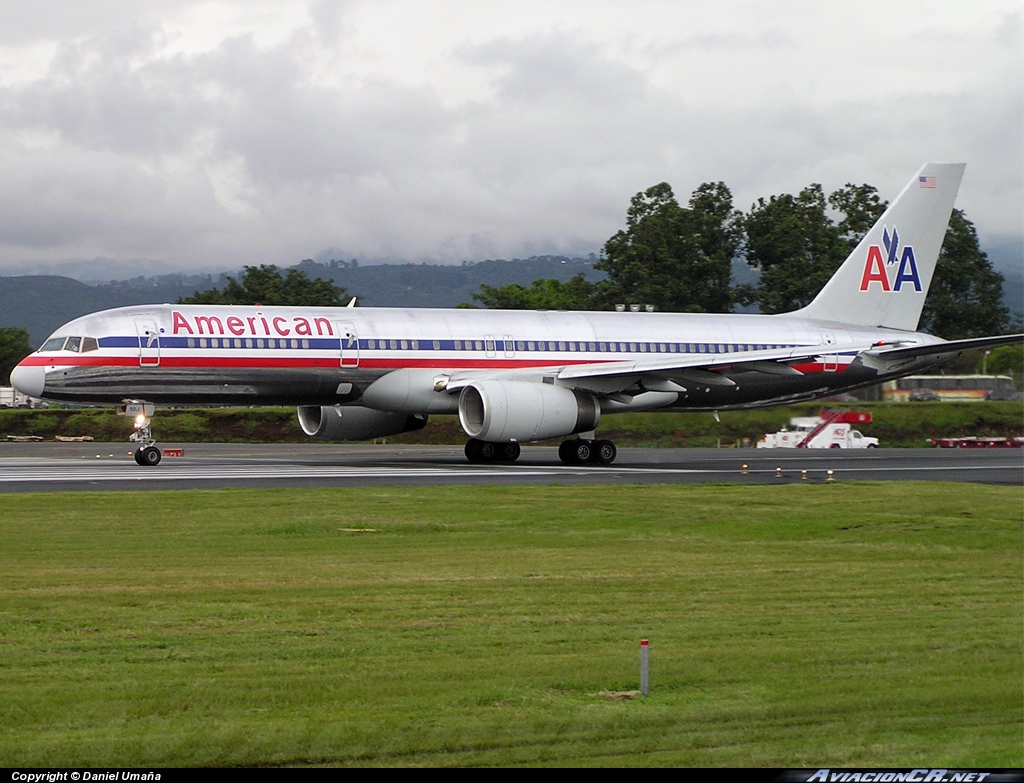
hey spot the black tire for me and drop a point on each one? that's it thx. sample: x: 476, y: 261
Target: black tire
x: 567, y: 452
x: 473, y: 450
x: 138, y: 457
x: 488, y: 451
x: 509, y: 452
x: 872, y: 445
x: 584, y: 451
x: 150, y: 456
x: 605, y: 452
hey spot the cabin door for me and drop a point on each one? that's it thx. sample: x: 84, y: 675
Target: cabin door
x: 349, y: 343
x: 831, y: 363
x: 149, y: 342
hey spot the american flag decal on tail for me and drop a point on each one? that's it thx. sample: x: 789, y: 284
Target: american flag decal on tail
x: 926, y: 182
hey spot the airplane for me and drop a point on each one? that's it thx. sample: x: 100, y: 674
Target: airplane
x: 515, y: 377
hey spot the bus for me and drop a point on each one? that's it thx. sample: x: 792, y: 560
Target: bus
x: 933, y: 388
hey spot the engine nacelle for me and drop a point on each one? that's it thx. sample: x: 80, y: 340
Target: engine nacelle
x: 501, y: 411
x: 355, y: 422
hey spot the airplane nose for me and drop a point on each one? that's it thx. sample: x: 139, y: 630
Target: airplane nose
x: 29, y: 380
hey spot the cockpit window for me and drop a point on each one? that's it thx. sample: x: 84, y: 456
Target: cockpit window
x: 53, y: 344
x: 74, y: 344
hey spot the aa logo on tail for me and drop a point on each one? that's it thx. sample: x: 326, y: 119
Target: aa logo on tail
x: 878, y: 271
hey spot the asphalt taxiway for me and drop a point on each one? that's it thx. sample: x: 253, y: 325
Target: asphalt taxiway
x: 48, y: 467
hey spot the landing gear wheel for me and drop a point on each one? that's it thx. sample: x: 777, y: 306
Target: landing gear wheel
x: 567, y: 452
x: 148, y: 456
x: 584, y: 451
x: 604, y: 452
x: 483, y: 451
x: 509, y: 452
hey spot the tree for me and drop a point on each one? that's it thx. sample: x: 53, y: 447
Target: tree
x: 1005, y: 360
x: 676, y: 258
x: 264, y: 285
x: 547, y: 294
x: 798, y: 247
x: 860, y: 206
x: 966, y: 295
x: 795, y: 245
x: 14, y: 346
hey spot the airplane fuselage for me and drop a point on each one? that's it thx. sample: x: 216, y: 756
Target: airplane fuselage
x: 216, y: 355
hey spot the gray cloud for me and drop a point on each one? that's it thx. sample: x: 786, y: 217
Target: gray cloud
x: 130, y: 144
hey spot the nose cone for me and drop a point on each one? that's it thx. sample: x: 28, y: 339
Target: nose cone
x: 29, y: 379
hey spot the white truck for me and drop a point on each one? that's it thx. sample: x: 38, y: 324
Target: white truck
x: 830, y: 430
x: 9, y: 398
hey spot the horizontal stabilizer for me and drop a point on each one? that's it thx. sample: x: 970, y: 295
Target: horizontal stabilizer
x: 947, y: 347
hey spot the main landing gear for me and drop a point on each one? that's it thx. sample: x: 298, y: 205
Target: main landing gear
x: 581, y: 452
x: 482, y: 451
x: 147, y: 454
x: 571, y: 452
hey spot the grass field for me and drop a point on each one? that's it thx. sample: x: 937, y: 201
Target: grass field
x: 832, y: 625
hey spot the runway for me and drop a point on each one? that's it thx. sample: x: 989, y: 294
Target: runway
x: 49, y: 467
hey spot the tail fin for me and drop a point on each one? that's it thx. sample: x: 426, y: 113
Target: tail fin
x: 885, y: 279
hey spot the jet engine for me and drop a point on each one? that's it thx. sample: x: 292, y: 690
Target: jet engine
x: 355, y: 422
x: 499, y: 411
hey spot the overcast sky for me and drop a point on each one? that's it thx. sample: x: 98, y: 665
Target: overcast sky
x: 207, y: 135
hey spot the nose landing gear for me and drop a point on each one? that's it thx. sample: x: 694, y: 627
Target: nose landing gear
x: 147, y: 454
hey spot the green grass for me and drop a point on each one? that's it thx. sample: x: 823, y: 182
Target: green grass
x: 801, y: 625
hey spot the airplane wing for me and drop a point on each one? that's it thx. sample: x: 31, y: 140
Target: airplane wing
x: 675, y: 372
x: 680, y: 372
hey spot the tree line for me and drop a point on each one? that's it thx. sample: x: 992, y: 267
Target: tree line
x: 679, y: 259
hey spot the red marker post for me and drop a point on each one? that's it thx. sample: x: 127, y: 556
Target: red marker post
x: 645, y: 668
